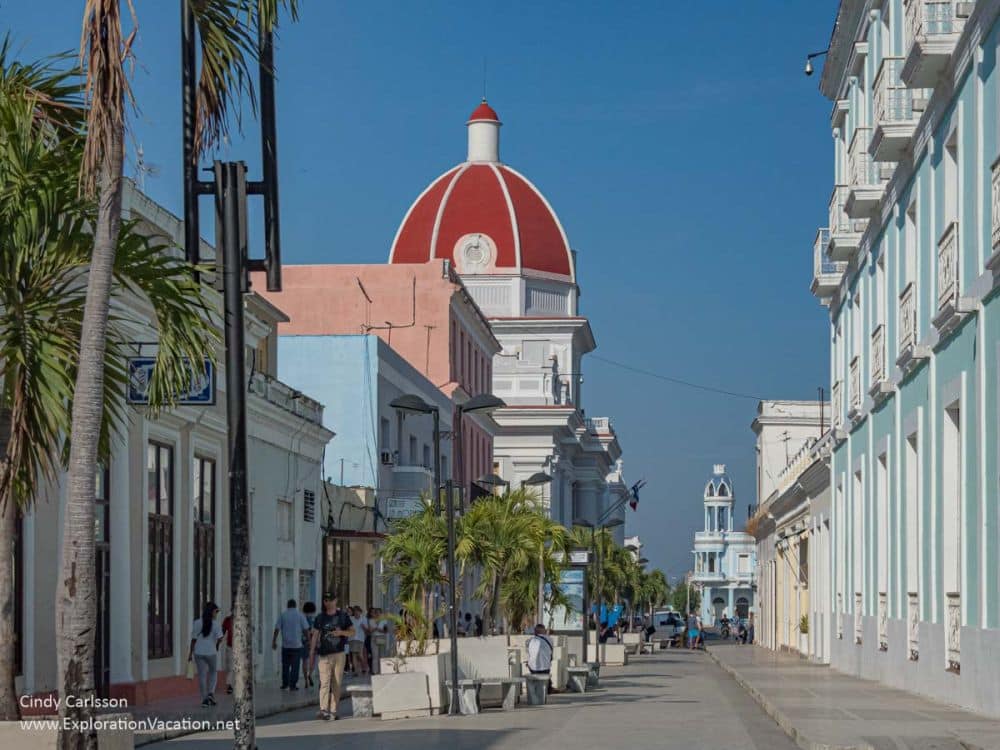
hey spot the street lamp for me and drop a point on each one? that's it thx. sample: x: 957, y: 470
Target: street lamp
x: 537, y: 480
x: 484, y: 402
x: 809, y: 59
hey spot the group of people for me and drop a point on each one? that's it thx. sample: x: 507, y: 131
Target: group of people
x: 469, y: 626
x: 333, y: 640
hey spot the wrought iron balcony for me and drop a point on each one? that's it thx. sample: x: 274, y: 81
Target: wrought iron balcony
x: 854, y: 407
x: 865, y: 189
x: 952, y: 307
x: 910, y: 352
x: 932, y: 28
x: 895, y: 116
x: 880, y: 385
x: 845, y: 232
x: 827, y: 273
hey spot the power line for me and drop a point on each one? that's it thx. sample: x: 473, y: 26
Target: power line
x: 675, y: 381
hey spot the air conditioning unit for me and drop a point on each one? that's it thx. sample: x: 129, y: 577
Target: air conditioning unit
x: 386, y: 457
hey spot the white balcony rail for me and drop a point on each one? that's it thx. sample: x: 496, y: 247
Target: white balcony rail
x: 947, y: 272
x: 837, y: 404
x: 893, y: 101
x: 860, y: 164
x: 953, y: 629
x: 996, y: 206
x: 822, y: 265
x: 878, y: 354
x: 913, y: 624
x: 839, y: 221
x: 286, y: 397
x: 855, y: 390
x: 907, y: 318
x: 600, y: 425
x: 930, y: 18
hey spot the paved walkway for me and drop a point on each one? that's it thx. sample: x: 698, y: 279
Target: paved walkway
x: 672, y: 699
x: 826, y: 710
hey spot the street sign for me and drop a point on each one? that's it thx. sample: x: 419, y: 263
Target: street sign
x: 576, y: 557
x: 199, y: 392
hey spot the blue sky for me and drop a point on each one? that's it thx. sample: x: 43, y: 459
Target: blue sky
x: 685, y: 152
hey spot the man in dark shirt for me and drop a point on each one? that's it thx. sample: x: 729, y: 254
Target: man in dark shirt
x: 330, y: 632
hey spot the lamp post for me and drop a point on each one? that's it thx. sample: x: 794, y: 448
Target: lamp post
x: 537, y: 480
x: 484, y: 402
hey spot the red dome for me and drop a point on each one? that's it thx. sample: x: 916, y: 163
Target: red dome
x: 490, y: 199
x: 484, y: 112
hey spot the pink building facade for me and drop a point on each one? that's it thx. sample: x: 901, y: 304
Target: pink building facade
x: 424, y: 313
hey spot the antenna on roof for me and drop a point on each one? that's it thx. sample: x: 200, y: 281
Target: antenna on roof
x: 484, y: 78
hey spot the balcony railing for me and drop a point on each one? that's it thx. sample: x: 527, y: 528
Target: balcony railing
x: 600, y: 425
x: 996, y: 206
x: 929, y: 18
x: 855, y: 390
x: 286, y: 397
x: 839, y: 221
x: 822, y: 264
x: 837, y: 404
x: 907, y: 317
x: 893, y: 101
x: 947, y: 274
x: 878, y: 354
x: 861, y: 167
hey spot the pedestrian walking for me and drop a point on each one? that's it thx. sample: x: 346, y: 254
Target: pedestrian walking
x: 309, y: 610
x: 692, y: 630
x: 357, y: 641
x: 293, y: 627
x: 206, y: 634
x: 331, y: 629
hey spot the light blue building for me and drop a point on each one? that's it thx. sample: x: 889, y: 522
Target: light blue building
x: 725, y: 560
x: 908, y: 265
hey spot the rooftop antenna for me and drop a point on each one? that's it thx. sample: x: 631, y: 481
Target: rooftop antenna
x: 484, y: 78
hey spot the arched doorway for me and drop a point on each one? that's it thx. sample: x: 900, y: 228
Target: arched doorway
x: 719, y: 605
x: 742, y: 607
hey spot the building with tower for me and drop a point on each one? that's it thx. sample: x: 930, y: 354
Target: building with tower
x: 507, y: 245
x: 724, y: 559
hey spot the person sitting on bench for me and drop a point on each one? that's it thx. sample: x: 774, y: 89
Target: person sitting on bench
x: 540, y: 652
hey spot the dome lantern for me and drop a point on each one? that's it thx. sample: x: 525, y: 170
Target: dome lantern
x: 484, y: 134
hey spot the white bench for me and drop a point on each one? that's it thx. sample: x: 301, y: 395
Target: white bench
x: 510, y: 690
x: 578, y: 677
x: 361, y: 700
x: 468, y: 696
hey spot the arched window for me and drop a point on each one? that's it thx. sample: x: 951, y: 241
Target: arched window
x: 709, y: 490
x: 723, y: 490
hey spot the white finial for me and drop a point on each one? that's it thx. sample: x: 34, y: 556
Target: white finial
x: 719, y: 469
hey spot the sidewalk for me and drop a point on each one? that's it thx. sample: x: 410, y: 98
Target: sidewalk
x: 822, y: 709
x: 268, y: 701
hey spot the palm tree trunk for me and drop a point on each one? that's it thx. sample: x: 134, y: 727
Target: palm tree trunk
x: 9, y: 709
x: 76, y: 604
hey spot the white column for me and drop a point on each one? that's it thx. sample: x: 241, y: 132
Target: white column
x: 731, y: 610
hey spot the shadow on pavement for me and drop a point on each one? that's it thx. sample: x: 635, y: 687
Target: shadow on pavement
x: 317, y: 736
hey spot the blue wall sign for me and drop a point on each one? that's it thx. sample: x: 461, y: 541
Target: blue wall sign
x: 200, y: 390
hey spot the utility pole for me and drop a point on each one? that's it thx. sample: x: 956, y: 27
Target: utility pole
x: 230, y: 188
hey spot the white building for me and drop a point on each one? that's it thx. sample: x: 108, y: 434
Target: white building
x: 791, y: 525
x: 513, y: 256
x: 724, y: 558
x: 163, y: 521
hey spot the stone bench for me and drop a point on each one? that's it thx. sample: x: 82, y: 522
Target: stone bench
x: 647, y: 648
x: 578, y: 677
x: 593, y: 673
x: 361, y: 700
x: 510, y: 690
x: 538, y: 689
x: 468, y: 696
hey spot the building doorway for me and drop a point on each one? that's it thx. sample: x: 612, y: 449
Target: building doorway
x: 719, y: 606
x: 742, y: 607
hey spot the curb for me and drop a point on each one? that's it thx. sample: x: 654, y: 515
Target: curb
x: 786, y: 724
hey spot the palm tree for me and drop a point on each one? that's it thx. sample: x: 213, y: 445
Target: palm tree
x: 412, y: 555
x: 505, y: 537
x: 44, y: 254
x: 227, y: 41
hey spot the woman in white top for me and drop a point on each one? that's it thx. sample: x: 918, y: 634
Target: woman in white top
x: 206, y: 634
x: 357, y: 641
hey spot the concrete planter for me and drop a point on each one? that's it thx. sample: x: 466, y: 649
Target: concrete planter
x: 400, y: 696
x: 433, y: 666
